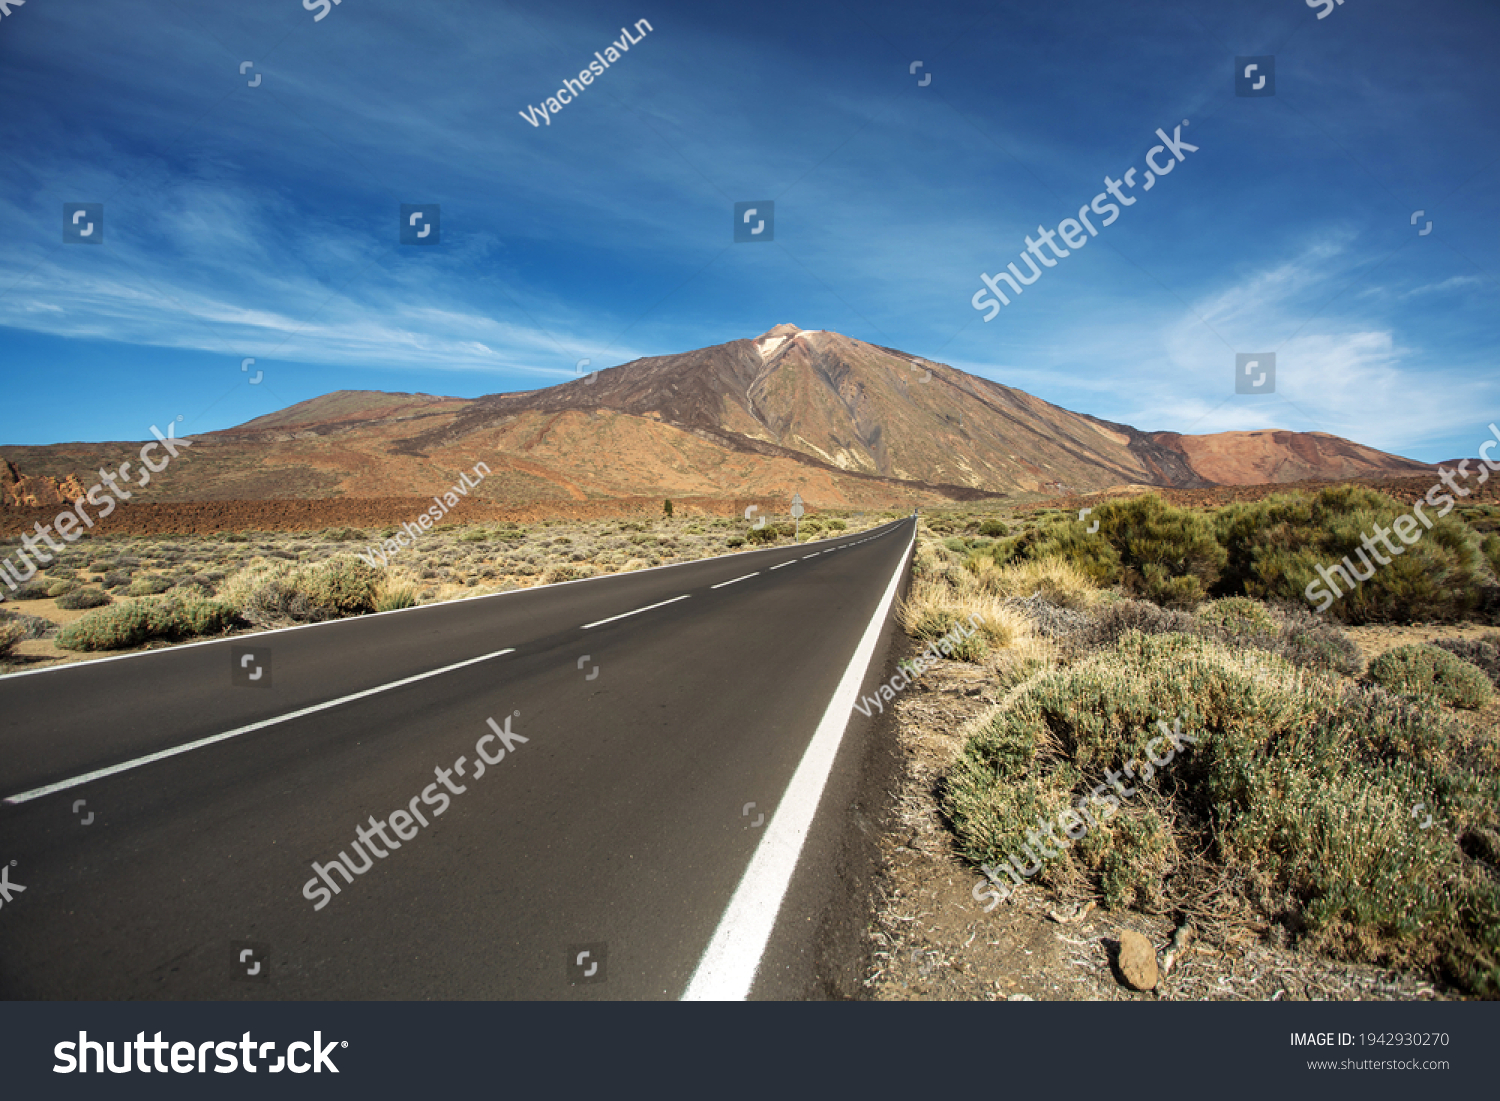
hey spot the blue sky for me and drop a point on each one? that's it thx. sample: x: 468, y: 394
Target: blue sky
x: 262, y: 221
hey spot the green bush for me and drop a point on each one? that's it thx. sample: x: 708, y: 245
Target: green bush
x: 168, y: 618
x: 474, y: 537
x: 83, y: 598
x: 735, y: 541
x: 149, y: 586
x: 1296, y: 793
x: 1275, y: 547
x: 61, y: 587
x: 994, y: 528
x: 767, y: 534
x: 31, y: 590
x: 1432, y: 673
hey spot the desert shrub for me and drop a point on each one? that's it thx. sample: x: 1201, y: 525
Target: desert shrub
x: 31, y: 590
x: 933, y: 609
x: 236, y: 537
x: 340, y: 586
x: 1312, y: 642
x: 1055, y: 580
x: 767, y: 534
x: 1160, y: 546
x: 278, y: 592
x: 474, y: 537
x: 200, y: 584
x: 837, y: 525
x: 30, y: 626
x: 565, y: 572
x: 394, y: 596
x: 115, y: 579
x: 149, y: 586
x: 59, y: 572
x: 1114, y: 621
x: 1483, y: 653
x: 170, y: 618
x: 1151, y: 548
x: 61, y: 588
x: 1275, y: 548
x: 1237, y: 617
x: 343, y: 535
x: 1433, y: 673
x: 83, y: 598
x: 1096, y: 557
x: 10, y: 634
x: 1295, y: 790
x: 993, y: 528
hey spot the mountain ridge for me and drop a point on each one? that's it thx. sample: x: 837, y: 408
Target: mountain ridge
x: 843, y: 421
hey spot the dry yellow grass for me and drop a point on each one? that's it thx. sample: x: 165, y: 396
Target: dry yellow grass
x: 932, y: 608
x: 1058, y: 581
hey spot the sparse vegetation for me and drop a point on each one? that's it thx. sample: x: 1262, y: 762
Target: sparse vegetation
x: 168, y: 618
x: 1297, y: 791
x: 1290, y: 814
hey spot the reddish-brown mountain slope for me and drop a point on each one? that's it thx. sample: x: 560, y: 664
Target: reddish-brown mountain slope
x: 839, y: 420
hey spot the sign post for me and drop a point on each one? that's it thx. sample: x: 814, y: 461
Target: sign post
x: 797, y: 511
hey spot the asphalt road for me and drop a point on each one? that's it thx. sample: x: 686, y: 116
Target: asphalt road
x: 643, y: 713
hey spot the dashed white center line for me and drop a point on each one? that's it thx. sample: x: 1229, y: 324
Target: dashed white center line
x: 814, y: 554
x: 721, y: 584
x: 789, y: 562
x: 638, y: 611
x: 188, y: 747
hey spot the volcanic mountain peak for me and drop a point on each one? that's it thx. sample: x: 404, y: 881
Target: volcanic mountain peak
x: 771, y: 341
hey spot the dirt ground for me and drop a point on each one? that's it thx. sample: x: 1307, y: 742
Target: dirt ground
x: 930, y: 940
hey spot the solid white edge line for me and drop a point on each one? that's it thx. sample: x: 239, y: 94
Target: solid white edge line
x: 64, y: 785
x: 88, y: 663
x: 721, y: 584
x: 638, y: 611
x: 729, y: 965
